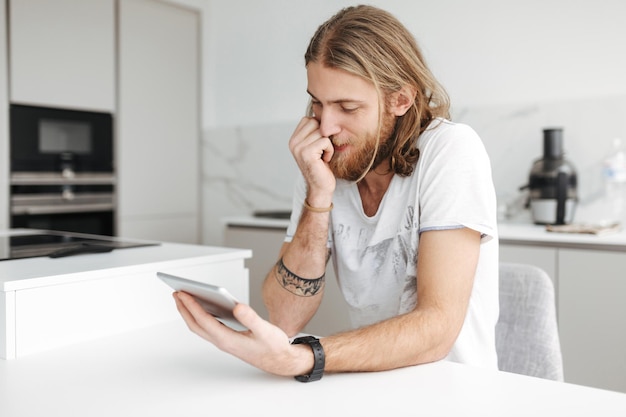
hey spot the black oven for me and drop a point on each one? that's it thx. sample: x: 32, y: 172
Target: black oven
x: 45, y: 139
x: 62, y: 175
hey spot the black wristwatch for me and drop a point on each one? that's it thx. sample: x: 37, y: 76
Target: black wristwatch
x: 318, y: 356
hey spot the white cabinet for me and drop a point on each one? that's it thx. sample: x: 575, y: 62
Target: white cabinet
x: 592, y: 317
x: 158, y: 123
x: 138, y: 59
x: 543, y: 257
x: 590, y: 289
x: 62, y: 53
x: 4, y: 123
x: 48, y: 303
x: 265, y: 243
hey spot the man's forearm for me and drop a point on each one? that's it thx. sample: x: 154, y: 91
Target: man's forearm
x: 288, y: 308
x: 294, y: 286
x: 410, y: 339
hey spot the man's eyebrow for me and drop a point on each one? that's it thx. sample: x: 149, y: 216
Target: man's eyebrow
x: 338, y: 101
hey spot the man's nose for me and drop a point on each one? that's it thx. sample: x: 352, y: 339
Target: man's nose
x: 329, y: 123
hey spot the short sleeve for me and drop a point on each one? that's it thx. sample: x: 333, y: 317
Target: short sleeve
x: 455, y: 187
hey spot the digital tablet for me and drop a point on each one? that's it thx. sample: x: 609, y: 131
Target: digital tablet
x: 214, y: 299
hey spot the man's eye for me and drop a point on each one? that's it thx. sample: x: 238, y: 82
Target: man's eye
x: 349, y: 109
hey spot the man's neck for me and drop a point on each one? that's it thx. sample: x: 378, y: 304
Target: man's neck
x: 372, y: 189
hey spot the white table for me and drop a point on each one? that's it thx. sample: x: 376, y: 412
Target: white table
x: 166, y: 370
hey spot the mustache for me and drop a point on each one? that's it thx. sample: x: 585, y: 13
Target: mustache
x: 338, y: 142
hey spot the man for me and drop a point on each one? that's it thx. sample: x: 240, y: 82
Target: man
x: 402, y: 200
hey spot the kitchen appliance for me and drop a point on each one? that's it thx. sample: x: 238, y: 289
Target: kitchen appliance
x: 20, y: 244
x: 552, y: 183
x: 62, y: 175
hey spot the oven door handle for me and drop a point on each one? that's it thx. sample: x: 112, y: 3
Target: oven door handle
x: 61, y: 209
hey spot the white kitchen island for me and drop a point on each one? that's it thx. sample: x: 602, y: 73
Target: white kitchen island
x: 48, y: 303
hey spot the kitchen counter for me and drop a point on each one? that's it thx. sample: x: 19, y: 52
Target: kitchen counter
x: 537, y: 235
x: 257, y: 222
x: 46, y: 303
x: 33, y: 272
x: 168, y: 371
x: 517, y: 233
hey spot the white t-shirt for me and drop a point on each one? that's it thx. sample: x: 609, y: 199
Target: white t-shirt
x: 375, y: 258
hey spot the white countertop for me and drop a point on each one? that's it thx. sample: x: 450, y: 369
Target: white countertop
x: 537, y: 235
x: 251, y: 221
x: 33, y: 272
x: 521, y: 233
x: 166, y: 370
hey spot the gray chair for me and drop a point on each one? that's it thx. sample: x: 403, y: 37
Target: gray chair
x: 527, y: 338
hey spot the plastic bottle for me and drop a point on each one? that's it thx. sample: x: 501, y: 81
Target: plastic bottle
x: 614, y: 175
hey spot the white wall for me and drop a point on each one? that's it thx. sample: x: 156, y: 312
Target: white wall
x: 483, y: 51
x: 512, y: 68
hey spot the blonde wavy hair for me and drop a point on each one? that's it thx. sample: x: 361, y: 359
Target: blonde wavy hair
x: 373, y: 44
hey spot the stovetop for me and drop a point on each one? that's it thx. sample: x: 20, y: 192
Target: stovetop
x: 55, y: 244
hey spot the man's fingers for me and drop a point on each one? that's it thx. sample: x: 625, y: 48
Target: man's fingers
x: 199, y: 321
x: 248, y: 317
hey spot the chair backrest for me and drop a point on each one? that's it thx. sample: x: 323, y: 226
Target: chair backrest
x: 527, y: 338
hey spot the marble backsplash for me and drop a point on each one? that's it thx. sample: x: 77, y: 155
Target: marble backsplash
x: 249, y: 168
x: 513, y: 137
x: 244, y: 169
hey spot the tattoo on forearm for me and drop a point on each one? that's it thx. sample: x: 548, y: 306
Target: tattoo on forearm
x: 297, y: 285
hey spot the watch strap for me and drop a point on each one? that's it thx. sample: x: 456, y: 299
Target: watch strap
x: 319, y: 358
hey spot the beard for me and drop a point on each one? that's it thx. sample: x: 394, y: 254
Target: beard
x: 353, y: 166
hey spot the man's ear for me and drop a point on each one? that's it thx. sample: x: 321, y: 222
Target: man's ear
x: 402, y: 100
